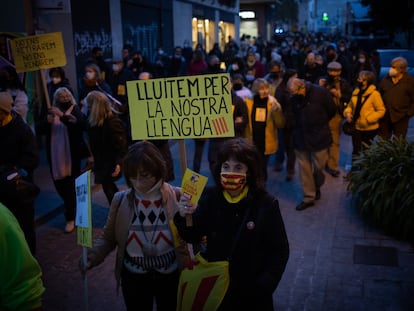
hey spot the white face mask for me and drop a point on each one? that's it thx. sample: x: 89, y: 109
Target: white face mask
x: 392, y: 72
x: 143, y: 185
x: 249, y: 78
x: 115, y: 67
x: 235, y: 67
x: 56, y: 80
x: 361, y: 60
x: 90, y: 75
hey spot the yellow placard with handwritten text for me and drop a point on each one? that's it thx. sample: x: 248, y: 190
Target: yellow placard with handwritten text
x: 38, y: 52
x: 193, y: 185
x: 181, y: 107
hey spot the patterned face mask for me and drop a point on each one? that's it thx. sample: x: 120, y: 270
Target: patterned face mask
x: 231, y: 181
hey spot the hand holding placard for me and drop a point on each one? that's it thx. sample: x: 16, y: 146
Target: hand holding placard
x: 191, y: 188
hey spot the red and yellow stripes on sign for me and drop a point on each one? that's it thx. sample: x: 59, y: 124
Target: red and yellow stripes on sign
x: 220, y: 126
x: 202, y: 285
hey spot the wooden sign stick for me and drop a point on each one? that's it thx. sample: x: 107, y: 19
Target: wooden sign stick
x: 183, y: 165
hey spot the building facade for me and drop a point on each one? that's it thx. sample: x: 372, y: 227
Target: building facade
x: 145, y: 25
x: 265, y: 20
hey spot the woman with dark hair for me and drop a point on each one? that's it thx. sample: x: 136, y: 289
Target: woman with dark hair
x: 365, y: 109
x: 239, y: 203
x: 139, y: 226
x: 57, y: 79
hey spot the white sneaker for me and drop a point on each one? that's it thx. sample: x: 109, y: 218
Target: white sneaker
x: 70, y: 226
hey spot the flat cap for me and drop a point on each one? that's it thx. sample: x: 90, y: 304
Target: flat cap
x: 334, y: 66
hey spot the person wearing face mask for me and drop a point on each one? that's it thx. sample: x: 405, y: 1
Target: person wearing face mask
x: 140, y: 64
x: 97, y: 58
x: 312, y: 108
x: 91, y: 81
x: 239, y: 202
x: 117, y: 80
x: 363, y: 62
x: 265, y: 118
x: 341, y: 91
x: 344, y: 51
x: 63, y: 127
x: 274, y: 76
x: 254, y: 67
x: 237, y: 66
x: 238, y: 86
x: 365, y: 109
x: 397, y: 91
x: 57, y: 79
x: 140, y: 226
x: 311, y: 69
x: 177, y: 65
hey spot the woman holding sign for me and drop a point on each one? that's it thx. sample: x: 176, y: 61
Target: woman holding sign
x: 140, y: 226
x: 243, y: 225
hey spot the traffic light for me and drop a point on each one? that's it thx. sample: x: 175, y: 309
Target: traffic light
x: 325, y: 17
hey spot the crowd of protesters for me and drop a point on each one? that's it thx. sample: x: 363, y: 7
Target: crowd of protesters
x: 290, y: 98
x: 259, y: 71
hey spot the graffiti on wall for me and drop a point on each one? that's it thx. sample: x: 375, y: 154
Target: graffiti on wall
x: 142, y: 37
x: 85, y: 41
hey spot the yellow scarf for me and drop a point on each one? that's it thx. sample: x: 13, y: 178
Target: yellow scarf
x: 237, y: 199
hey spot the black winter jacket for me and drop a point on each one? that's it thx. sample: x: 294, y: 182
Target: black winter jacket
x: 312, y: 114
x: 260, y: 254
x: 108, y: 145
x: 18, y: 146
x: 398, y: 98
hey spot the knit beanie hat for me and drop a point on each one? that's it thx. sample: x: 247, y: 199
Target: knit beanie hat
x: 6, y: 102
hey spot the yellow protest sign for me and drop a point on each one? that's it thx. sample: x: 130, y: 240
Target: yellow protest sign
x: 38, y: 52
x: 181, y: 107
x: 83, y: 219
x: 193, y: 185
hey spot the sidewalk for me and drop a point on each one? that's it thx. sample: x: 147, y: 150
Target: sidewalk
x: 332, y: 264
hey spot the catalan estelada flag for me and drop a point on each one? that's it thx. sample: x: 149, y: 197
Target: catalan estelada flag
x: 203, y: 285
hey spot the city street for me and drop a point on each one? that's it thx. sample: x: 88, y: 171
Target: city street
x: 323, y: 272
